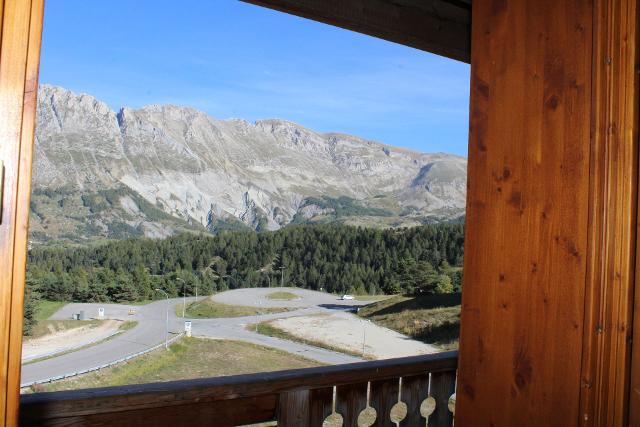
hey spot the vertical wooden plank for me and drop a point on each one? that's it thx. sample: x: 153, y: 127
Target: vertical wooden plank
x: 627, y: 57
x: 350, y: 401
x: 294, y: 409
x: 414, y: 391
x: 527, y: 213
x: 443, y: 385
x: 384, y: 394
x: 22, y: 207
x: 321, y: 405
x: 18, y: 36
x: 607, y: 350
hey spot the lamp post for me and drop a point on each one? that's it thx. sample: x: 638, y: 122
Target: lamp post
x: 260, y: 312
x: 364, y: 335
x: 282, y: 276
x: 166, y: 334
x: 184, y: 295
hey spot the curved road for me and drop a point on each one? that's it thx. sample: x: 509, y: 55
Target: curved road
x: 150, y: 330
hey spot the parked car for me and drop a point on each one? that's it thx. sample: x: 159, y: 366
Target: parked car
x: 347, y: 297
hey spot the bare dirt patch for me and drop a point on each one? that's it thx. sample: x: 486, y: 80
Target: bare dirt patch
x: 433, y: 319
x: 63, y: 338
x: 348, y: 332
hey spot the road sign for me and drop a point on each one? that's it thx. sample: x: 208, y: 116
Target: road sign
x: 100, y: 312
x: 187, y: 327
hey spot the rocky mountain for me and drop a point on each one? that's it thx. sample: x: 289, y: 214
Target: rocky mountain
x: 161, y: 169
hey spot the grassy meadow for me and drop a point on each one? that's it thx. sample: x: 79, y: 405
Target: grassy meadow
x: 208, y: 309
x: 282, y: 295
x: 186, y: 359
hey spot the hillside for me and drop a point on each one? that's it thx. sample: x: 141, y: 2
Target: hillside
x: 433, y: 319
x: 163, y: 169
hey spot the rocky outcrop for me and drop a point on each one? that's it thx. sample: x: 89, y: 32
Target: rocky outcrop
x: 200, y: 169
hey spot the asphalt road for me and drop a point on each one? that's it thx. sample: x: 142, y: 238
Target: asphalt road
x: 150, y: 330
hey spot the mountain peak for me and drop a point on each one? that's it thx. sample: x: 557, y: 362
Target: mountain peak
x: 209, y: 173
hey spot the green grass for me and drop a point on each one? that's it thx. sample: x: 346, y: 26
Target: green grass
x: 189, y: 358
x: 46, y: 309
x: 433, y: 319
x: 143, y: 302
x: 208, y: 309
x: 126, y: 325
x: 282, y: 295
x: 373, y: 298
x: 267, y: 328
x: 136, y: 303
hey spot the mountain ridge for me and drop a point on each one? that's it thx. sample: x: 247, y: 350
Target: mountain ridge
x: 203, y: 172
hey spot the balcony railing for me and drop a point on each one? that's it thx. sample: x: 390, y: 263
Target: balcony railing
x: 411, y: 391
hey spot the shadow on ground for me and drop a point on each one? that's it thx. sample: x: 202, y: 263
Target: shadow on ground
x: 425, y: 302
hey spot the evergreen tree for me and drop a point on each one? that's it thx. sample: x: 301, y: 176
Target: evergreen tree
x: 334, y: 258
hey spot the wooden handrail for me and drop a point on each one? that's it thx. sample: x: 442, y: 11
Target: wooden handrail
x: 252, y: 398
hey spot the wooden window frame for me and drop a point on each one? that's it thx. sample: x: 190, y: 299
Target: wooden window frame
x: 21, y: 33
x: 609, y: 386
x: 21, y: 29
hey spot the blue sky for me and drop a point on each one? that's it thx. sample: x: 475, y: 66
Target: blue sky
x: 236, y: 60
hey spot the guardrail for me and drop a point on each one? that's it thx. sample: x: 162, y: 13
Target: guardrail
x: 97, y: 368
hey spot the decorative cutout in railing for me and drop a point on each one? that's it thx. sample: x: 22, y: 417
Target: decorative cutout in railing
x: 400, y: 414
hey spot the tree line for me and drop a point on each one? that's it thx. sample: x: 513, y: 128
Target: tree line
x: 333, y: 258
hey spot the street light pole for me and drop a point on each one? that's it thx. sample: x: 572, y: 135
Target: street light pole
x: 364, y: 336
x: 166, y: 333
x: 282, y: 276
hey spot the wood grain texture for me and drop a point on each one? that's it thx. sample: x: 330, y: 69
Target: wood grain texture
x: 13, y: 54
x: 294, y: 409
x: 442, y: 27
x: 220, y: 414
x: 527, y: 213
x: 414, y: 391
x: 350, y: 401
x: 19, y: 60
x: 384, y: 394
x: 443, y: 385
x: 613, y: 217
x: 22, y: 207
x: 321, y: 405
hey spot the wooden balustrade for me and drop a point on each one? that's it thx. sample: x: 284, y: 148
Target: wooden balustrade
x: 410, y: 391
